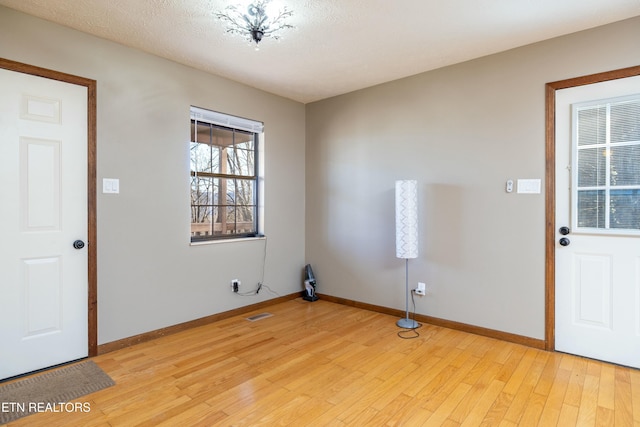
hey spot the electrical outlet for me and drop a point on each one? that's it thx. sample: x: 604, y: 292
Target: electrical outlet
x: 421, y: 290
x: 235, y: 285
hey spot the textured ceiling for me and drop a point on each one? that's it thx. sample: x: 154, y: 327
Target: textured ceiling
x: 338, y: 46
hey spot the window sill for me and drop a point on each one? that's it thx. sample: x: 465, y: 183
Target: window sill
x: 222, y: 241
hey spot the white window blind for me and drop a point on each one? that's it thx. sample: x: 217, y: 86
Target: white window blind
x: 606, y: 173
x: 221, y: 119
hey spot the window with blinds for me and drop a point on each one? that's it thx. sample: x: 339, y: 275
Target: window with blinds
x: 224, y: 176
x: 606, y: 171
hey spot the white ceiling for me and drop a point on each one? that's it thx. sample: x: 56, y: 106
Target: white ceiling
x: 338, y: 46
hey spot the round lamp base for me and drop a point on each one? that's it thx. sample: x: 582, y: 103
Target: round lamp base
x: 407, y: 323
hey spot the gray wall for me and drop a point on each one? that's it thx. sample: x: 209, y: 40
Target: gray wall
x: 461, y: 131
x: 149, y: 276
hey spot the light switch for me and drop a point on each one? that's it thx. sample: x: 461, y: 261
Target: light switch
x: 110, y: 185
x: 529, y: 186
x: 509, y: 186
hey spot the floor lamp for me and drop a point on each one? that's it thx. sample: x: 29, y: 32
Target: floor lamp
x: 407, y: 235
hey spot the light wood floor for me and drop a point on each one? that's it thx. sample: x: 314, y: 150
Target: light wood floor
x: 325, y: 364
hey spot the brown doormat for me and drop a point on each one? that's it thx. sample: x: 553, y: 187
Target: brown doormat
x: 52, y: 391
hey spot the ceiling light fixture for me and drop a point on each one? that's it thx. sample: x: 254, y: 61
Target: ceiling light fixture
x: 255, y: 24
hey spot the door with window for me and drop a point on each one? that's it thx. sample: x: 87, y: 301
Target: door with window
x: 597, y: 283
x: 43, y: 223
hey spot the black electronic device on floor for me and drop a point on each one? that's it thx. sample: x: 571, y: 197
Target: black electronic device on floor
x: 309, y: 293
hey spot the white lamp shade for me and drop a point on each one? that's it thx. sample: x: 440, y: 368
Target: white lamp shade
x: 407, y: 219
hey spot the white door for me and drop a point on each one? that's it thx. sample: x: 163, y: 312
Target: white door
x: 598, y: 200
x: 43, y: 171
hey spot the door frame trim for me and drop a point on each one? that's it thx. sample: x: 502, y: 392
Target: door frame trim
x: 550, y: 186
x: 92, y: 246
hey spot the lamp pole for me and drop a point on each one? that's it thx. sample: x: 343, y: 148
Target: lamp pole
x: 406, y: 322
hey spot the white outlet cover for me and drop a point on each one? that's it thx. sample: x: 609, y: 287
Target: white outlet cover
x: 529, y: 186
x: 110, y: 186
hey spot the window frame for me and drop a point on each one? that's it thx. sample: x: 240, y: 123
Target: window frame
x: 227, y: 123
x: 607, y: 188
